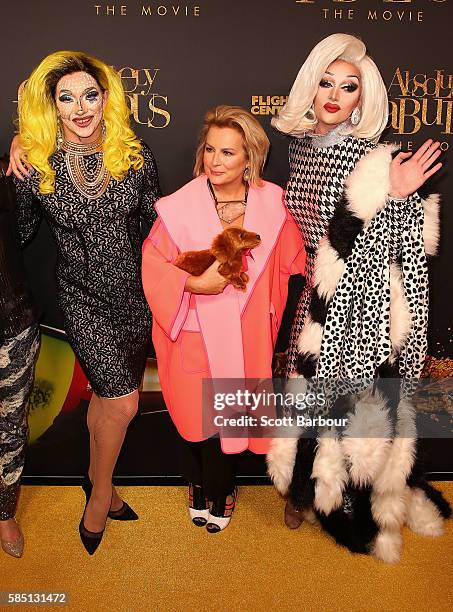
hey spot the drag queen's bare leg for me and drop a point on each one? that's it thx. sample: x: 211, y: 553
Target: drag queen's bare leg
x: 108, y: 420
x: 92, y: 416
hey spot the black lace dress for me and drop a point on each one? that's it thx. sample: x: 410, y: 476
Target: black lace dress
x: 107, y: 319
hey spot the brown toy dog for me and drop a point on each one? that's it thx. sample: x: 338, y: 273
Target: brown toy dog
x: 229, y: 248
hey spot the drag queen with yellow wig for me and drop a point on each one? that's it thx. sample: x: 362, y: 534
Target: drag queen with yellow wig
x: 94, y: 181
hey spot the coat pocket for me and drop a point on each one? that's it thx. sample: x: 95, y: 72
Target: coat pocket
x: 193, y: 354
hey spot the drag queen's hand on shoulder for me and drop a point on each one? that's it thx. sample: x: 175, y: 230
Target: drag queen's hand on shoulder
x: 18, y: 163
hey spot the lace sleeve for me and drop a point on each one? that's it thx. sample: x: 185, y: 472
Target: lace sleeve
x: 151, y: 189
x: 28, y: 210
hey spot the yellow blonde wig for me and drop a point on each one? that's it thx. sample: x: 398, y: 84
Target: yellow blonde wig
x: 38, y: 116
x: 256, y: 142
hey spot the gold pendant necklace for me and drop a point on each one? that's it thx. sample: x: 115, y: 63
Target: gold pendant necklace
x: 231, y: 209
x: 91, y: 184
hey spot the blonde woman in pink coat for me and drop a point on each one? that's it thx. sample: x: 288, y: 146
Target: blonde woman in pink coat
x: 203, y: 327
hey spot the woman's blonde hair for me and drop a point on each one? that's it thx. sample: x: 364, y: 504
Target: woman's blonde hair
x: 293, y: 117
x: 256, y: 142
x: 38, y: 116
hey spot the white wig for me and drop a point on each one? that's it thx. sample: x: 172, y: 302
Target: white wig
x: 292, y: 118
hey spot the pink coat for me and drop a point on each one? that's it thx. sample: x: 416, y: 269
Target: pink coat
x: 230, y: 335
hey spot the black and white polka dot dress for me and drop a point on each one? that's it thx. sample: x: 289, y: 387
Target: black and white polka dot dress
x: 100, y: 293
x: 319, y: 166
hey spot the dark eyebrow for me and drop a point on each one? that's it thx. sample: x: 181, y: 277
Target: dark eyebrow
x: 83, y: 92
x: 348, y: 76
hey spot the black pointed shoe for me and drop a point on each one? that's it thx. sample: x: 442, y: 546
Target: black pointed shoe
x: 87, y: 488
x: 90, y: 539
x: 125, y: 513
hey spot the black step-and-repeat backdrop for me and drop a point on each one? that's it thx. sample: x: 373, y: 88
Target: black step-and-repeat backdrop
x: 176, y: 60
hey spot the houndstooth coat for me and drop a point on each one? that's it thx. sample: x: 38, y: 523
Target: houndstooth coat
x: 319, y: 167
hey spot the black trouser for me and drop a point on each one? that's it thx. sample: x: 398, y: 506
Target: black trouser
x: 204, y: 464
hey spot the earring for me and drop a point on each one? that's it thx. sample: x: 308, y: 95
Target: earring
x: 103, y: 130
x: 59, y: 134
x: 246, y: 174
x: 356, y: 115
x: 310, y: 114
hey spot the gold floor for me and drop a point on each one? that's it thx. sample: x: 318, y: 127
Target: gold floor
x: 163, y: 562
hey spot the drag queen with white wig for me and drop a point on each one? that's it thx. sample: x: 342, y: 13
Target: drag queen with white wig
x: 363, y: 313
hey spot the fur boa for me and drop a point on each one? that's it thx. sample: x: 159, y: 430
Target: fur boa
x: 374, y: 455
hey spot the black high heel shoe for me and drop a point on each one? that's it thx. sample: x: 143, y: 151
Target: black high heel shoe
x: 90, y: 539
x: 125, y: 513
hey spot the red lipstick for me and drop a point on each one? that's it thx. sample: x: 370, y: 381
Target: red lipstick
x: 331, y: 108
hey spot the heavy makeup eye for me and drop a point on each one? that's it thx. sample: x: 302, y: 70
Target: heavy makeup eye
x: 350, y: 87
x: 208, y: 149
x: 64, y: 98
x: 92, y: 95
x: 325, y: 83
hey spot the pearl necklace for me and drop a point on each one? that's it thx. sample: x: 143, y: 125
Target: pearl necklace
x: 91, y: 184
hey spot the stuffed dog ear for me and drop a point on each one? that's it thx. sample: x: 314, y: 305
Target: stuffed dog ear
x: 222, y: 248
